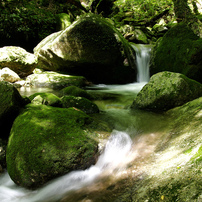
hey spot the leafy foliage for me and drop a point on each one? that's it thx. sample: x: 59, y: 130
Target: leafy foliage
x: 142, y: 9
x: 29, y: 20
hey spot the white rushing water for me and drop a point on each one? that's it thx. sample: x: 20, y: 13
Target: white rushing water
x: 143, y: 60
x: 113, y: 157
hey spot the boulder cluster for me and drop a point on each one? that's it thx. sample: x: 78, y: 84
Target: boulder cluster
x: 48, y: 135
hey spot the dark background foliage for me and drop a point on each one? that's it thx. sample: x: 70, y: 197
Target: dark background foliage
x: 25, y: 23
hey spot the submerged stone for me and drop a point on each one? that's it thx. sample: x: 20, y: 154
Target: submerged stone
x: 46, y: 142
x: 167, y: 90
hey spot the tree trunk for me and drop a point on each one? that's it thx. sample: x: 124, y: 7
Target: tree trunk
x: 182, y: 10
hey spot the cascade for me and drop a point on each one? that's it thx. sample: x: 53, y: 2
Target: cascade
x: 142, y: 61
x: 114, y: 156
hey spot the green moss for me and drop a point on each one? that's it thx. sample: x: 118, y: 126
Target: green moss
x: 46, y: 98
x: 75, y: 91
x: 81, y: 103
x: 179, y: 51
x: 46, y: 142
x: 198, y: 156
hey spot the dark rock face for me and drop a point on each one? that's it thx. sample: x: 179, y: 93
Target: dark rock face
x: 90, y: 47
x: 179, y: 51
x: 167, y: 90
x: 11, y: 103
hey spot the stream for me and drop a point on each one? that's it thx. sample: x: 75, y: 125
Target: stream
x: 128, y: 152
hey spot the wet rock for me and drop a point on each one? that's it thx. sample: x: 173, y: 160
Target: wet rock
x: 46, y: 142
x: 90, y: 47
x: 81, y: 103
x: 18, y: 60
x: 167, y: 90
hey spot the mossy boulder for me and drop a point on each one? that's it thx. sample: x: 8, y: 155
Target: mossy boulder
x: 167, y: 90
x: 49, y: 99
x: 90, y: 47
x: 46, y: 142
x: 81, y: 103
x: 179, y: 51
x: 58, y: 81
x: 75, y: 91
x: 11, y: 103
x: 18, y: 60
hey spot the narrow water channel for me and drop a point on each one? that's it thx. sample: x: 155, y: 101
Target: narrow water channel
x: 134, y: 139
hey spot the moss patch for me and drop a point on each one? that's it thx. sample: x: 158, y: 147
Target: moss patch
x: 179, y: 51
x: 81, y: 103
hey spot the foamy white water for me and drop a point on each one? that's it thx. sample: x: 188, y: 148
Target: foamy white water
x: 116, y: 151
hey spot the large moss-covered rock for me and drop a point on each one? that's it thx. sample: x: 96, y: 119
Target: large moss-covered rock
x: 18, y: 60
x: 179, y: 51
x: 11, y: 103
x: 90, y: 47
x: 46, y: 142
x: 81, y: 103
x: 167, y: 90
x: 49, y: 79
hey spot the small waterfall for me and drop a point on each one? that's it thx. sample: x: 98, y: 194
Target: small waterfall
x: 114, y: 156
x: 142, y: 60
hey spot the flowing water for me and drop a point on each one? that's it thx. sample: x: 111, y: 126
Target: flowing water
x: 142, y: 60
x: 132, y: 143
x: 114, y: 156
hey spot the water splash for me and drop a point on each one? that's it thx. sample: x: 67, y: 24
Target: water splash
x: 113, y: 157
x: 143, y: 60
